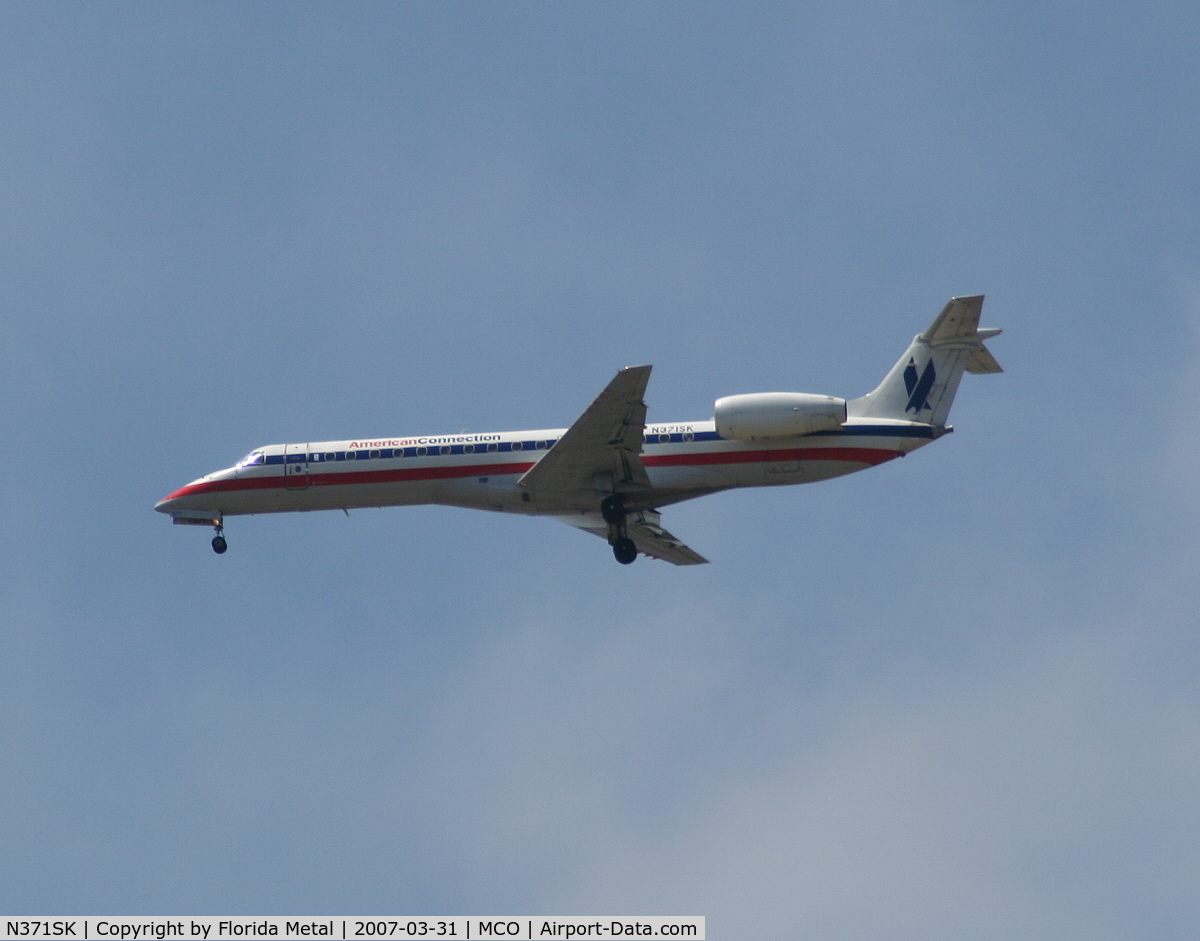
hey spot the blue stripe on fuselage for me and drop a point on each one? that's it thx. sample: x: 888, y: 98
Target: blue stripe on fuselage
x: 528, y: 447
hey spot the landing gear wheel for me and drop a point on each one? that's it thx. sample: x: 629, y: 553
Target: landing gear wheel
x: 624, y: 550
x: 219, y: 544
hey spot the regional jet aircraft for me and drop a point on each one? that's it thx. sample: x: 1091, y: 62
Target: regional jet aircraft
x: 610, y: 472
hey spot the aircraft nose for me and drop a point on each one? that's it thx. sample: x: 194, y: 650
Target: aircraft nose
x: 183, y: 498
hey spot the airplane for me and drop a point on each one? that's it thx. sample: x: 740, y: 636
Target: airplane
x: 610, y: 473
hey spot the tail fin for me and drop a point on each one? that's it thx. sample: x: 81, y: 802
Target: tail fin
x: 922, y: 384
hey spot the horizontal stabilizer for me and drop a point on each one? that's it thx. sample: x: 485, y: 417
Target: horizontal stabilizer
x: 959, y: 320
x: 982, y: 361
x: 957, y: 326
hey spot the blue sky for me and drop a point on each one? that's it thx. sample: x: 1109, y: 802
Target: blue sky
x: 952, y: 697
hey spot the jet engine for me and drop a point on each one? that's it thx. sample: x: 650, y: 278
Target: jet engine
x: 763, y: 415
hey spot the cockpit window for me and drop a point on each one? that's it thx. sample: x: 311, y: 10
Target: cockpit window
x: 254, y: 457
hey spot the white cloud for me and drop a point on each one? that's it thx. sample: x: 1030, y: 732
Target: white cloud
x: 1047, y: 799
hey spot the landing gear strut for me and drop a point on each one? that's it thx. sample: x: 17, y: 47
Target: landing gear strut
x: 612, y: 508
x: 219, y: 544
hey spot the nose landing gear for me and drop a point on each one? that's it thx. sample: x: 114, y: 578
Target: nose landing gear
x: 612, y: 508
x: 219, y: 544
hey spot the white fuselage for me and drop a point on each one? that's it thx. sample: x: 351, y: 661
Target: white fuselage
x: 610, y: 472
x: 480, y: 471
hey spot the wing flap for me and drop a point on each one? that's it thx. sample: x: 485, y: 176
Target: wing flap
x: 654, y: 541
x: 644, y: 529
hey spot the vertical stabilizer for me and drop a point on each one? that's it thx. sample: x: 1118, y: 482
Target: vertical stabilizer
x: 922, y: 384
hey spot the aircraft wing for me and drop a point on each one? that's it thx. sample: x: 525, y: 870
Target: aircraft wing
x: 654, y: 541
x: 606, y: 438
x: 644, y: 529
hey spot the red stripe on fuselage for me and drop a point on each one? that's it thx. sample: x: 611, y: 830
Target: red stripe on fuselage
x: 869, y: 456
x: 298, y: 481
x: 856, y: 455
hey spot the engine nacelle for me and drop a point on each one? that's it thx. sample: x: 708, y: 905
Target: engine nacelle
x: 763, y: 415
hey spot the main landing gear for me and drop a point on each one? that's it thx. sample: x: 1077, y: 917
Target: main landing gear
x: 624, y: 551
x: 219, y: 544
x: 612, y: 508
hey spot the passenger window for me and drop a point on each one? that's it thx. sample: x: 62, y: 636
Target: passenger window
x: 517, y: 445
x: 539, y: 445
x: 330, y: 456
x: 444, y: 449
x: 688, y: 436
x: 468, y: 449
x: 421, y: 452
x: 350, y: 456
x: 374, y: 454
x: 493, y: 447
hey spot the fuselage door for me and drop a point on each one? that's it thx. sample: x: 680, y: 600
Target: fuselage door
x: 295, y: 466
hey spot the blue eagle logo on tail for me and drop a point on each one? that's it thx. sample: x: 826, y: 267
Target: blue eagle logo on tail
x: 918, y: 388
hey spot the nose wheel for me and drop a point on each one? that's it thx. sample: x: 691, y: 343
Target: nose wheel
x: 219, y: 544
